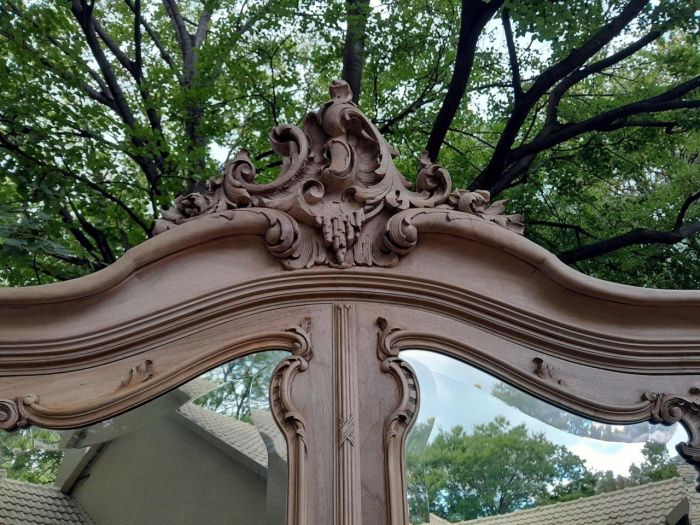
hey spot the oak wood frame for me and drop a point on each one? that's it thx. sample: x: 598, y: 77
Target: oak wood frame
x: 375, y: 271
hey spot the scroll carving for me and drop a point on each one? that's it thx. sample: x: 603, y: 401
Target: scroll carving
x: 292, y: 424
x: 669, y: 409
x: 338, y: 185
x: 142, y: 384
x: 398, y: 424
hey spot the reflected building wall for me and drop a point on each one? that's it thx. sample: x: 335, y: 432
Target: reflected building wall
x: 167, y: 474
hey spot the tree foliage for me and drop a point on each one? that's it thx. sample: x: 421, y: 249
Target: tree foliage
x: 583, y: 113
x: 241, y: 385
x: 31, y: 454
x: 497, y: 468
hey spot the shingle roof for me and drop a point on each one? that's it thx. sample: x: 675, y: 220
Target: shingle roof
x: 23, y: 503
x: 648, y: 504
x: 240, y: 435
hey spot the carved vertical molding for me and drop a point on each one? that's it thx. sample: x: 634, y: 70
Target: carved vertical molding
x: 347, y: 472
x: 292, y: 423
x: 397, y: 425
x: 669, y: 409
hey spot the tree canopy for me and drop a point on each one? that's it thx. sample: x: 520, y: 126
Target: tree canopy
x: 582, y: 112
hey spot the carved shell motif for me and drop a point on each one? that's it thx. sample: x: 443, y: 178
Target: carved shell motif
x: 338, y: 182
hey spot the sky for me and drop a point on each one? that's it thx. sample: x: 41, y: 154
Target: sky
x: 458, y: 394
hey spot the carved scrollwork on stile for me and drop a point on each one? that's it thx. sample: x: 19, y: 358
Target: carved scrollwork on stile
x: 669, y: 409
x: 398, y: 424
x: 292, y: 423
x: 339, y: 186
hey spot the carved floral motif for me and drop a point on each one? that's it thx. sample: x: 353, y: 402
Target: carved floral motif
x: 338, y: 182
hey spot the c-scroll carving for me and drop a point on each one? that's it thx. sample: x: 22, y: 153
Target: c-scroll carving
x: 669, y: 409
x: 339, y: 186
x: 398, y: 424
x: 292, y: 424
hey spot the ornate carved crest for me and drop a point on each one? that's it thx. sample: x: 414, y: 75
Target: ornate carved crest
x: 338, y: 182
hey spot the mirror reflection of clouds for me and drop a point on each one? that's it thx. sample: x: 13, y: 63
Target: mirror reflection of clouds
x: 455, y: 393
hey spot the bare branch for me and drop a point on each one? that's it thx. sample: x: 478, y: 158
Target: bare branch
x: 474, y: 16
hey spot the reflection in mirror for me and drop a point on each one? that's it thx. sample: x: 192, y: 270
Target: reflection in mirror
x: 208, y: 452
x: 484, y: 452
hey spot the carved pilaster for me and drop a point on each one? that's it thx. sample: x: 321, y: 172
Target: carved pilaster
x: 292, y: 424
x: 397, y: 425
x: 347, y: 478
x: 669, y: 409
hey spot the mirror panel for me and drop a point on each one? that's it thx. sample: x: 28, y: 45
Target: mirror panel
x: 485, y: 452
x: 208, y: 452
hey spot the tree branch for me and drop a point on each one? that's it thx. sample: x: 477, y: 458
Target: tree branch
x: 474, y: 16
x: 636, y: 236
x: 633, y: 237
x: 596, y: 67
x: 512, y: 54
x: 489, y: 177
x: 164, y: 54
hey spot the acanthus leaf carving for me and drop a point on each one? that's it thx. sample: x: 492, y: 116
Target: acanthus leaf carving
x: 669, y: 409
x: 339, y: 185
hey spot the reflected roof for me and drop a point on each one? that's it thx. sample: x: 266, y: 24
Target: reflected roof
x: 650, y: 504
x: 23, y: 503
x: 240, y: 435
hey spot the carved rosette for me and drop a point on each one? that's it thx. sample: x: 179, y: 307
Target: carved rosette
x: 669, y: 409
x: 292, y: 424
x: 339, y: 185
x: 398, y: 424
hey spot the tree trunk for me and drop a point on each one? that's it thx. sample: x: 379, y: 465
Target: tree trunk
x: 354, y: 50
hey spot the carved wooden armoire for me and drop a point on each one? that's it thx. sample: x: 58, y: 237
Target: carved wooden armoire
x: 341, y: 264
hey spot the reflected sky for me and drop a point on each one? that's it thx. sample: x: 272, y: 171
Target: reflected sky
x: 455, y: 393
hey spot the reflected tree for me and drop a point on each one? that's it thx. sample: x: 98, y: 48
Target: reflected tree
x: 30, y: 454
x: 241, y: 384
x: 499, y: 468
